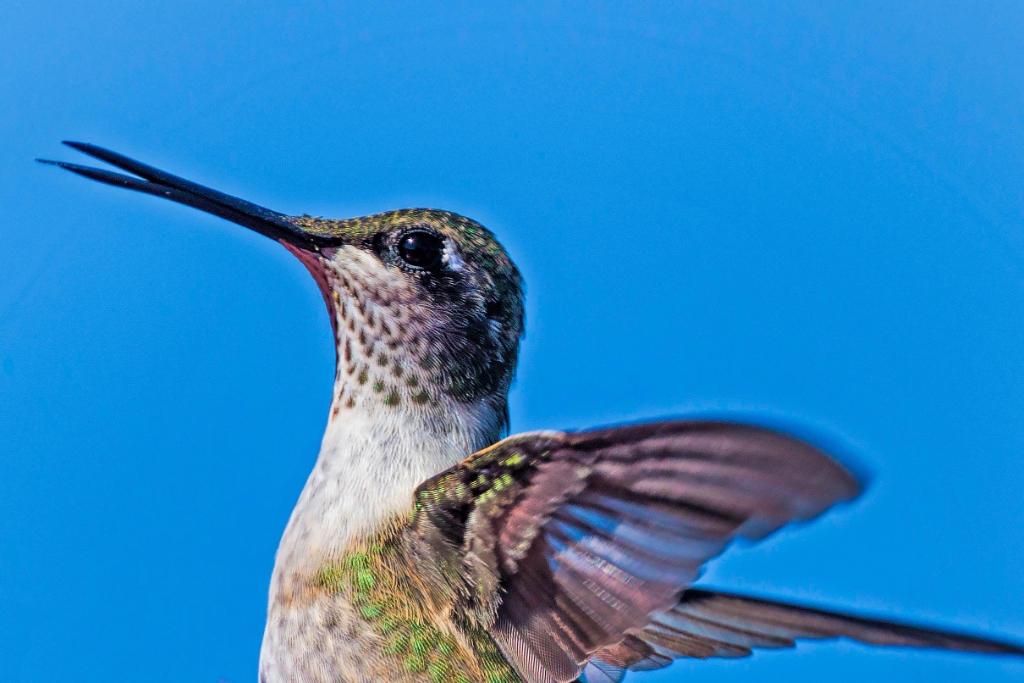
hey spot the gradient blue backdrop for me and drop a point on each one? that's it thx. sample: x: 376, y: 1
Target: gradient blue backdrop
x: 781, y: 211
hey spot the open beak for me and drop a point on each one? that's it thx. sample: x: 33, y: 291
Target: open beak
x: 153, y: 181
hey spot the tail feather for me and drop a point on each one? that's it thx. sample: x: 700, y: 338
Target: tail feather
x: 707, y: 624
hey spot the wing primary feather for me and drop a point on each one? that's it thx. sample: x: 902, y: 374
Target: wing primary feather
x: 794, y: 621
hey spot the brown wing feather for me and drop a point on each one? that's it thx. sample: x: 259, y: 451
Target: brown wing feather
x: 755, y: 622
x: 713, y: 624
x: 658, y: 502
x: 572, y: 541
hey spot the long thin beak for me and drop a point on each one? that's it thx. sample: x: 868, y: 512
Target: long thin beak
x: 153, y: 181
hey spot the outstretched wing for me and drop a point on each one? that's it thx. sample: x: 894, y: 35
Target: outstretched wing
x: 573, y: 541
x: 708, y: 624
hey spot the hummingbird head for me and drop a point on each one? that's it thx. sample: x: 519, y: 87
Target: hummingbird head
x: 426, y: 305
x: 427, y: 308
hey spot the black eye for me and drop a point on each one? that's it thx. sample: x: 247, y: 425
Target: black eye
x: 421, y: 249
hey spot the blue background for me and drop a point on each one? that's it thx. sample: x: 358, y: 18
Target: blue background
x: 781, y: 211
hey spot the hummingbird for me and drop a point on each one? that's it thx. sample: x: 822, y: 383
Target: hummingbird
x: 426, y: 548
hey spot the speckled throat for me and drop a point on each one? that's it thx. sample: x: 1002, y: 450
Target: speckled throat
x: 453, y: 330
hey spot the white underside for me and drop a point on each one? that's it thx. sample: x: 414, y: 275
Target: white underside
x: 370, y: 463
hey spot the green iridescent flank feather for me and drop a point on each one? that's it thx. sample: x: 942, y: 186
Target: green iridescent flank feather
x: 393, y: 608
x: 495, y: 668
